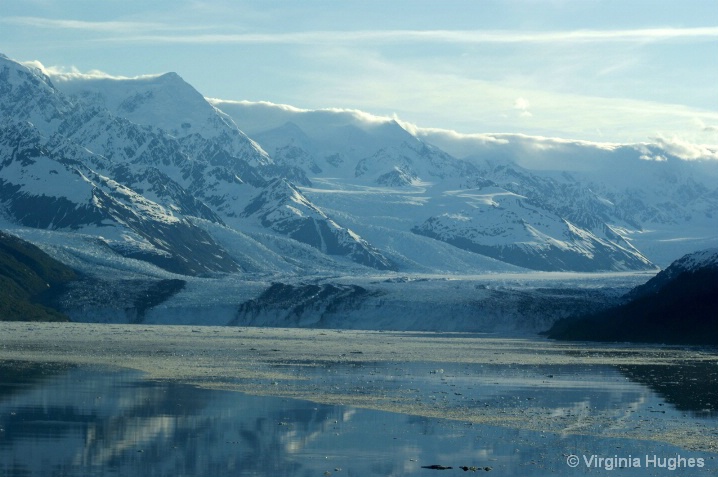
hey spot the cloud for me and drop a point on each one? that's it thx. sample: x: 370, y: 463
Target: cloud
x: 64, y: 73
x: 356, y: 113
x: 554, y: 152
x: 285, y: 107
x: 437, y: 36
x: 260, y: 116
x: 686, y: 150
x: 470, y: 111
x: 706, y: 128
x: 652, y: 157
x: 443, y: 36
x: 522, y: 106
x: 450, y: 135
x: 354, y: 36
x: 534, y: 151
x: 105, y: 26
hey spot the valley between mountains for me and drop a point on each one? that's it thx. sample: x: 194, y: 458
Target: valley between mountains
x: 174, y: 208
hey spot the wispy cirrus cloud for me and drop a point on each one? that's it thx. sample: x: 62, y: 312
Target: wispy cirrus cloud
x: 438, y: 36
x: 351, y: 36
x: 602, y: 82
x: 466, y: 101
x: 93, y: 26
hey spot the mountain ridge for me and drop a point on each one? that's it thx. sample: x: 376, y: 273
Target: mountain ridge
x: 640, y: 209
x: 156, y: 159
x: 195, y: 174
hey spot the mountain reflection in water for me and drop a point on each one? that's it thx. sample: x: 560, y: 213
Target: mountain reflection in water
x: 691, y: 386
x: 88, y: 421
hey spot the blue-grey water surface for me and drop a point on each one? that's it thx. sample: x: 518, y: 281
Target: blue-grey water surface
x: 62, y: 420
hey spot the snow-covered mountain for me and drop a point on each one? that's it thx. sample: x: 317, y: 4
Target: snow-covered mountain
x: 694, y: 263
x: 152, y: 170
x: 625, y: 205
x: 510, y: 228
x: 660, y: 197
x: 48, y: 185
x: 94, y: 161
x: 282, y: 208
x: 166, y: 102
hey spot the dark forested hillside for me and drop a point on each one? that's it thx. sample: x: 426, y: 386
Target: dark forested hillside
x: 679, y: 305
x: 28, y: 277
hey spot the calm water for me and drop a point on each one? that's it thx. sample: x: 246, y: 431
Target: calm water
x: 85, y: 421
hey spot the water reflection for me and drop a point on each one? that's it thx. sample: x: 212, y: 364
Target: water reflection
x: 689, y: 386
x: 563, y: 390
x: 85, y: 421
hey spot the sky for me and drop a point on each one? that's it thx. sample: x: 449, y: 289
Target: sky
x: 622, y: 71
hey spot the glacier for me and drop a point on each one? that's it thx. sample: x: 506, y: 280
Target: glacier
x: 353, y: 220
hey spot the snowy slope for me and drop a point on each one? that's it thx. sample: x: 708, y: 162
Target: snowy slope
x: 313, y: 190
x: 659, y: 197
x: 701, y: 261
x: 284, y: 209
x: 319, y: 230
x: 41, y: 188
x: 396, y: 183
x: 205, y: 132
x: 166, y: 102
x: 510, y: 228
x: 643, y: 201
x: 211, y: 172
x: 349, y: 218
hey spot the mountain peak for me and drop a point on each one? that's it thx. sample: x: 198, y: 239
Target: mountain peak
x: 167, y: 102
x: 23, y: 68
x: 171, y: 76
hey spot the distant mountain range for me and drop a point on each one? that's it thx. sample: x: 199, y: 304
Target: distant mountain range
x: 149, y: 170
